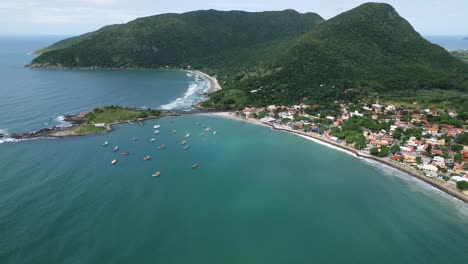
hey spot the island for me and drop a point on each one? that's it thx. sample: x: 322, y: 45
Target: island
x: 95, y: 121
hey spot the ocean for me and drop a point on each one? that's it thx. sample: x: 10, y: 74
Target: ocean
x: 258, y: 195
x: 450, y: 42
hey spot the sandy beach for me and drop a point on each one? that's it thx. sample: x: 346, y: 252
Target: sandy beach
x: 214, y: 85
x: 349, y: 150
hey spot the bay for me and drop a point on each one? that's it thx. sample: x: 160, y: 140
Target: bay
x: 258, y: 195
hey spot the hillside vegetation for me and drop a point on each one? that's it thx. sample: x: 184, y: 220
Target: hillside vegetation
x: 277, y: 57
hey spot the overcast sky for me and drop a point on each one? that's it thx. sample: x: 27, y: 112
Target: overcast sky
x: 72, y: 17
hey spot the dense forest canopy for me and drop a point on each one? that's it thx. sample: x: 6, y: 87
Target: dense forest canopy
x: 278, y: 57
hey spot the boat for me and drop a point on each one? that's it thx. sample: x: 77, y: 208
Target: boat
x: 207, y: 129
x: 194, y: 166
x: 125, y: 153
x: 203, y: 125
x: 156, y: 126
x: 188, y: 135
x: 183, y: 142
x: 113, y: 162
x: 214, y: 132
x: 153, y: 140
x: 147, y: 158
x: 105, y: 143
x: 186, y: 147
x: 116, y: 148
x: 156, y: 132
x: 174, y: 131
x: 134, y: 139
x: 162, y: 147
x: 156, y: 174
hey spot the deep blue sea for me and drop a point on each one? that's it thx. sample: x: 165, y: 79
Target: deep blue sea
x: 450, y: 42
x: 258, y: 196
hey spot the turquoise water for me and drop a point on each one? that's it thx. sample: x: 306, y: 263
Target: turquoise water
x: 258, y: 196
x: 32, y: 99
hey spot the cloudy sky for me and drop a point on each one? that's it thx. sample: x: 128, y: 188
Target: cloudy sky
x: 71, y: 17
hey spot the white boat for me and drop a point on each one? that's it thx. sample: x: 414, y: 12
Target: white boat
x: 156, y: 132
x: 186, y: 147
x: 174, y: 131
x: 202, y: 134
x: 207, y: 129
x: 162, y: 147
x: 188, y: 135
x: 183, y: 142
x: 214, y: 132
x: 134, y: 139
x: 153, y: 140
x: 156, y: 126
x: 105, y: 143
x: 116, y: 148
x: 113, y: 162
x: 156, y: 174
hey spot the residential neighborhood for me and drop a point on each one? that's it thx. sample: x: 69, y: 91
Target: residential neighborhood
x: 433, y: 141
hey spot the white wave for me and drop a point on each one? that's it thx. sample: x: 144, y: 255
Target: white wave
x: 193, y: 95
x: 61, y: 121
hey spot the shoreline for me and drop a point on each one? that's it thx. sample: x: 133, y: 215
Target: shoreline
x: 66, y: 132
x: 349, y: 150
x: 213, y: 82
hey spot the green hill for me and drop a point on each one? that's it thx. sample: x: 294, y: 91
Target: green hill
x: 370, y: 48
x: 278, y: 57
x: 177, y: 39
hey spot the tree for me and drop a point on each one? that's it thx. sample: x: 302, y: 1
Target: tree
x: 360, y: 144
x: 458, y: 158
x: 418, y: 160
x: 456, y: 147
x: 394, y: 149
x: 462, y: 185
x: 374, y: 151
x: 383, y: 151
x: 462, y: 139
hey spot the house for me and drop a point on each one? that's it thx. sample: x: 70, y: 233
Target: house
x: 411, y: 160
x: 430, y: 170
x: 397, y: 156
x: 437, y: 152
x: 378, y: 143
x: 100, y: 124
x: 406, y: 149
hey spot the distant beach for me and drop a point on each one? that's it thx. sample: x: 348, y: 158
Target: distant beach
x: 213, y: 82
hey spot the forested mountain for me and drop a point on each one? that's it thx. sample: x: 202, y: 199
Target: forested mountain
x: 276, y: 57
x: 177, y: 39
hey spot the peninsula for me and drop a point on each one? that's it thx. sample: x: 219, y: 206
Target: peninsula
x: 98, y: 120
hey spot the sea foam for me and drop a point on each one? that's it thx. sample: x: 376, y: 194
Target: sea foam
x: 194, y: 94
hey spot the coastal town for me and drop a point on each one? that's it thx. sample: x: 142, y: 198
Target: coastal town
x: 428, y: 142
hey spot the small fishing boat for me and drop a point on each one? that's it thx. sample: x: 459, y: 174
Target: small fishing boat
x: 207, y: 129
x: 188, y: 135
x: 183, y: 142
x: 156, y: 132
x: 214, y: 132
x: 162, y: 147
x: 156, y: 126
x: 116, y: 148
x: 194, y: 166
x: 105, y: 143
x: 113, y: 162
x: 186, y: 147
x: 153, y: 140
x: 147, y: 158
x: 203, y: 125
x: 156, y: 174
x: 134, y: 139
x: 174, y: 131
x: 125, y: 153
